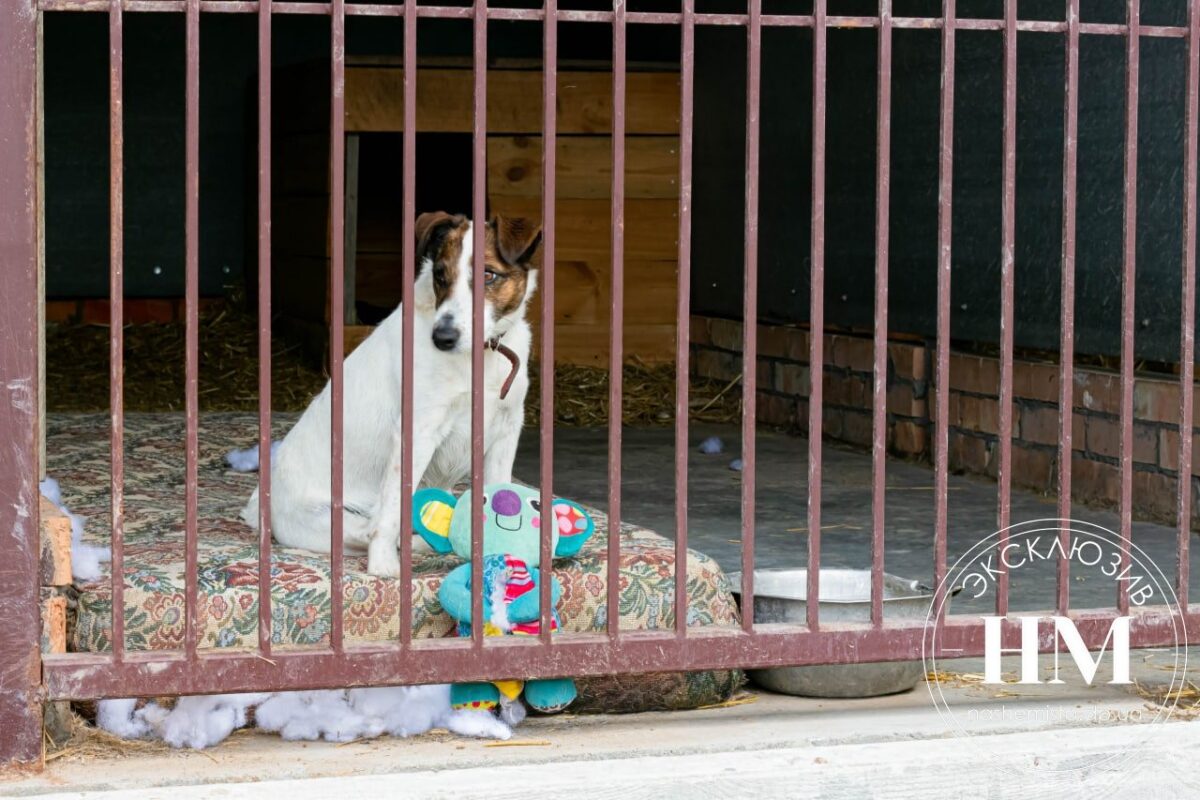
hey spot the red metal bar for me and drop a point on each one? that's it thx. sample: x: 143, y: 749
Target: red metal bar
x: 479, y: 201
x: 816, y: 357
x: 116, y: 309
x: 942, y: 369
x: 750, y: 308
x: 616, y: 355
x: 683, y: 311
x: 407, y: 280
x: 1127, y: 296
x: 1066, y: 376
x: 1187, y: 343
x: 1008, y: 236
x: 337, y: 326
x: 192, y: 322
x: 546, y: 421
x: 82, y: 676
x: 20, y: 667
x: 265, y: 627
x: 883, y: 178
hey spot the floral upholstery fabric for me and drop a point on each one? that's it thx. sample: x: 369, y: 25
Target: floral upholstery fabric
x: 154, y: 567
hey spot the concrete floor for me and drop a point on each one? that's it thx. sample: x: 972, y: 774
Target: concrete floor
x: 714, y: 507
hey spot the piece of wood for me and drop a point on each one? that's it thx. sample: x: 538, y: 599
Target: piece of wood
x: 353, y: 336
x: 584, y: 166
x: 582, y: 231
x: 350, y: 231
x: 56, y: 546
x: 54, y: 621
x: 374, y: 101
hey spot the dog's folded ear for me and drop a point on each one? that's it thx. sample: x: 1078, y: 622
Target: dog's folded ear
x: 517, y: 239
x: 431, y: 230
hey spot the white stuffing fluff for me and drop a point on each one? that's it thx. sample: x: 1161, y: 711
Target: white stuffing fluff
x: 85, y: 558
x: 247, y: 460
x: 119, y: 718
x: 336, y: 715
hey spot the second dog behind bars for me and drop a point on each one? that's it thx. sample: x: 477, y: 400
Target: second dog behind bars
x: 441, y: 425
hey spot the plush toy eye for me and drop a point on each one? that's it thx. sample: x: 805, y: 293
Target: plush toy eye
x: 535, y: 504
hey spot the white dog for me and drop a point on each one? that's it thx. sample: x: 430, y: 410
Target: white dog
x: 441, y: 447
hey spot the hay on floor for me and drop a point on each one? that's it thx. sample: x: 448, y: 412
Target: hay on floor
x: 77, y: 376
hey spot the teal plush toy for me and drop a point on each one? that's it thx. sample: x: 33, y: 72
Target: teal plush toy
x: 512, y: 520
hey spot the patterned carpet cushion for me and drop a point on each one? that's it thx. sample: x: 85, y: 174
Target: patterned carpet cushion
x: 300, y: 596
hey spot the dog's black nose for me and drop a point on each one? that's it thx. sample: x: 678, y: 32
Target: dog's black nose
x: 445, y: 336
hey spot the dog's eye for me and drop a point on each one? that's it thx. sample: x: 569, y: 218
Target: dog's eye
x: 439, y: 276
x: 490, y: 277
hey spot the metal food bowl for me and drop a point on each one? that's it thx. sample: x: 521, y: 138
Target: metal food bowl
x: 845, y: 598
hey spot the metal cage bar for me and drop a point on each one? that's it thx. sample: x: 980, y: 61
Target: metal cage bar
x: 337, y: 327
x: 1008, y: 235
x: 1066, y: 375
x: 616, y: 352
x: 192, y: 325
x: 816, y: 356
x: 479, y: 206
x: 1128, y: 290
x: 264, y: 329
x: 687, y: 67
x: 883, y: 176
x: 546, y: 421
x: 750, y: 307
x: 407, y: 281
x: 941, y: 436
x: 116, y: 305
x: 1187, y: 341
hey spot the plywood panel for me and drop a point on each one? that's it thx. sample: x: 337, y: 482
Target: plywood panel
x: 375, y: 101
x: 582, y: 226
x: 584, y: 166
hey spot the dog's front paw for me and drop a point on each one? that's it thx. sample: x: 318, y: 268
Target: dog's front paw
x: 382, y: 558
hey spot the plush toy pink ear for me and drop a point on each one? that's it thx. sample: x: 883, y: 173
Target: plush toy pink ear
x: 575, y: 526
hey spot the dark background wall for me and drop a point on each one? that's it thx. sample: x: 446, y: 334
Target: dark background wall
x: 77, y: 161
x: 786, y: 169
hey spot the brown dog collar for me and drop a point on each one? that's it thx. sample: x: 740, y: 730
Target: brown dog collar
x: 506, y: 351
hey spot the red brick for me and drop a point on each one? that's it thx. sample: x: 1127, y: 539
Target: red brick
x: 150, y: 310
x: 774, y: 410
x: 1094, y: 481
x: 831, y: 425
x: 791, y: 379
x: 843, y: 390
x: 1097, y: 391
x: 908, y: 360
x: 1033, y: 468
x: 726, y: 334
x: 762, y: 375
x: 698, y: 331
x: 974, y: 374
x: 901, y: 399
x: 717, y: 365
x: 1154, y: 493
x: 909, y: 438
x: 856, y: 428
x: 968, y: 453
x: 775, y: 341
x: 979, y: 414
x: 1104, y: 438
x: 797, y: 344
x: 1157, y: 401
x: 1034, y: 381
x: 1041, y: 425
x: 1168, y: 450
x: 853, y: 353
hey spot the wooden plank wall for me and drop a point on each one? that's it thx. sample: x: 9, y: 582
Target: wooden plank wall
x: 374, y: 103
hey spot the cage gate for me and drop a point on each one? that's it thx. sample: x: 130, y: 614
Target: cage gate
x: 27, y: 677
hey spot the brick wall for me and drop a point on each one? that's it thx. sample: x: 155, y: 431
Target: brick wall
x: 783, y: 390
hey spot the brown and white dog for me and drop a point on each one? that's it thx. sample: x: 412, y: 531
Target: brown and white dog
x: 441, y: 446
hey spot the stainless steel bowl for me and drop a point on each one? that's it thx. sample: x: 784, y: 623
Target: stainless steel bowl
x: 845, y: 598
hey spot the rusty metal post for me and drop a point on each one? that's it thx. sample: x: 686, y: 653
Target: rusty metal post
x: 20, y: 664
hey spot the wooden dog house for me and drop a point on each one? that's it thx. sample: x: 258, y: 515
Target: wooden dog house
x: 374, y: 116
